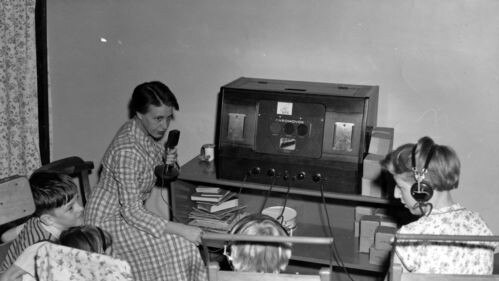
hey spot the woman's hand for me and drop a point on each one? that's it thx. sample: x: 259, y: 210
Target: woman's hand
x: 191, y: 233
x: 171, y: 156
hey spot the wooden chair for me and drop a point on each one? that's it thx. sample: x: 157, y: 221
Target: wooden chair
x: 16, y: 202
x: 397, y: 274
x: 215, y: 274
x: 75, y: 167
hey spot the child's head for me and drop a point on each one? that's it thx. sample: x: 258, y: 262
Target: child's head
x: 259, y: 256
x: 441, y: 163
x: 87, y: 237
x: 55, y: 195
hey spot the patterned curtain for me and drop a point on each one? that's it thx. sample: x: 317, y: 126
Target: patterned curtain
x: 19, y: 150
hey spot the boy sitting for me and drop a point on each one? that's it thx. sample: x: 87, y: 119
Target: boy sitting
x: 57, y: 209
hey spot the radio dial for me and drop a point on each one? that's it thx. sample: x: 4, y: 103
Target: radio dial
x: 289, y: 128
x: 302, y: 130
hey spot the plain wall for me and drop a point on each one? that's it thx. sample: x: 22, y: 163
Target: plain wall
x: 436, y: 62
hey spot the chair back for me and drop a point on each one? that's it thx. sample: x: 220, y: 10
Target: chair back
x: 396, y: 273
x: 16, y: 200
x: 215, y: 274
x: 75, y: 167
x: 60, y: 263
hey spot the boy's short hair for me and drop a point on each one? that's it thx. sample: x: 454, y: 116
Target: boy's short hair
x: 443, y: 169
x: 259, y: 256
x: 51, y: 190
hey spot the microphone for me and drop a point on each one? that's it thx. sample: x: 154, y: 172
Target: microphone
x: 168, y: 172
x: 172, y: 141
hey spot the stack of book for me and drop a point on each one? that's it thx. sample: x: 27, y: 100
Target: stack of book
x: 216, y: 209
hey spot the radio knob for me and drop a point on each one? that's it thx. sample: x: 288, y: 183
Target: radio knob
x: 300, y: 175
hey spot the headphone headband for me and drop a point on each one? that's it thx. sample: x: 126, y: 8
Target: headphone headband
x: 427, y: 161
x: 103, y: 238
x: 256, y: 218
x: 421, y: 191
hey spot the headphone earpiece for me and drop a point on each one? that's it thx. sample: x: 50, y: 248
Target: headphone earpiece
x: 421, y: 190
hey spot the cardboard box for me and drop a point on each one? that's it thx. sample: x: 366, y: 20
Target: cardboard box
x: 378, y: 256
x: 381, y: 141
x: 371, y: 166
x: 368, y: 225
x: 372, y: 188
x: 384, y: 237
x: 365, y: 243
x: 386, y: 221
x: 361, y: 211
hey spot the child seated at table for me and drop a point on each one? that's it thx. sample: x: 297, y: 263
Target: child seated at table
x: 258, y: 256
x: 425, y: 174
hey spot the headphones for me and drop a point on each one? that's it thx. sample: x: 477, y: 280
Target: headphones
x: 103, y: 238
x: 421, y: 190
x: 248, y: 221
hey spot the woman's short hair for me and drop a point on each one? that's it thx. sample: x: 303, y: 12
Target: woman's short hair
x: 443, y: 169
x: 150, y: 93
x: 259, y: 256
x: 86, y: 237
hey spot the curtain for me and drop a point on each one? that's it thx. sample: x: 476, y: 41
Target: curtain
x: 19, y: 150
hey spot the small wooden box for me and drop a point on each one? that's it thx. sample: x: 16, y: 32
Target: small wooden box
x: 381, y: 141
x: 371, y: 166
x: 378, y: 256
x: 365, y: 243
x: 383, y: 237
x: 368, y: 226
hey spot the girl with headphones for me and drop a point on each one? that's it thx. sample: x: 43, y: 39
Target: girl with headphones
x: 425, y: 174
x: 258, y: 256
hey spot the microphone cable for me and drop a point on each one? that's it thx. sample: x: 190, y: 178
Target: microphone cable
x: 281, y: 216
x: 267, y: 194
x: 163, y: 182
x: 420, y: 205
x: 334, y: 250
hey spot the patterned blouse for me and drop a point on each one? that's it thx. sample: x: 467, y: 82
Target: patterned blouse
x: 447, y: 257
x: 117, y: 205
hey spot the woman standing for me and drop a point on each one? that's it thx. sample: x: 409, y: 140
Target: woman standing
x: 157, y: 249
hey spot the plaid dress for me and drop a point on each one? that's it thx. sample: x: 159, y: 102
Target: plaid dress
x: 117, y: 205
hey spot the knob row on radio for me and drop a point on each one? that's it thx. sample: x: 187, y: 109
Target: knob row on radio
x: 272, y: 173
